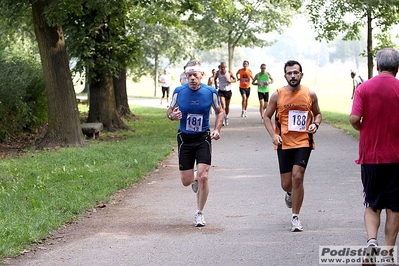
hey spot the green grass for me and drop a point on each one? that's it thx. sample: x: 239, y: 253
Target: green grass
x: 41, y: 191
x: 340, y: 121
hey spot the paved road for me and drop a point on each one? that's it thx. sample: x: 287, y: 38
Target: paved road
x: 247, y: 220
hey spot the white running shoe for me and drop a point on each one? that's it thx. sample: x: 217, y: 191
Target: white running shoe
x: 296, y: 225
x: 242, y: 113
x: 199, y: 220
x: 226, y: 121
x: 288, y: 200
x: 369, y: 258
x: 245, y: 113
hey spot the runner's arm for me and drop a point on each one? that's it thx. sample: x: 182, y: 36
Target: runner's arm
x: 255, y: 79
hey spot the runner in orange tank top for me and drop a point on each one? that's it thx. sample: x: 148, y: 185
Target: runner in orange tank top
x: 244, y: 75
x: 297, y: 119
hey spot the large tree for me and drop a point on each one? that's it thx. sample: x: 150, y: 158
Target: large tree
x: 242, y: 23
x: 108, y: 37
x: 99, y: 41
x: 332, y: 17
x: 63, y: 117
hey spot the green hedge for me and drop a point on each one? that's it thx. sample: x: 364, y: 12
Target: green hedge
x: 23, y: 102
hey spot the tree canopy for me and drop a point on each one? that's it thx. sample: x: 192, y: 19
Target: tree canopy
x: 332, y: 17
x: 242, y: 23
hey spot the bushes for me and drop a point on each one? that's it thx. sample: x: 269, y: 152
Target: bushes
x: 23, y: 102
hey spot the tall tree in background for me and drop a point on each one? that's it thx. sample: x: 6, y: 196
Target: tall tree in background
x: 331, y: 17
x: 163, y: 35
x: 173, y: 43
x: 101, y: 45
x: 63, y: 117
x: 242, y: 23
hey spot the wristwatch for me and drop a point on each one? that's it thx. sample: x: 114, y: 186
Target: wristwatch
x: 170, y: 117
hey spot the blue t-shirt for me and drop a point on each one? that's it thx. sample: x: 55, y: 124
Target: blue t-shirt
x: 195, y: 106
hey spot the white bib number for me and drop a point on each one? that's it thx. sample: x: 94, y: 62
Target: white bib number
x: 194, y: 122
x: 297, y: 120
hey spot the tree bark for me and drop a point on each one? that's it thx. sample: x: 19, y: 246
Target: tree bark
x: 102, y: 103
x: 231, y: 56
x: 156, y: 71
x: 64, y: 127
x: 370, y: 65
x: 121, y: 99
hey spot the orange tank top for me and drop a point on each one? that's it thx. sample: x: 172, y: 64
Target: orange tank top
x: 293, y: 117
x: 245, y: 78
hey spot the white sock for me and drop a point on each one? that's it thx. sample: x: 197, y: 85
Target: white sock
x: 198, y: 211
x: 294, y: 214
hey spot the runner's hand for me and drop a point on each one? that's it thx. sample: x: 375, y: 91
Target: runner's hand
x: 215, y: 135
x: 277, y: 140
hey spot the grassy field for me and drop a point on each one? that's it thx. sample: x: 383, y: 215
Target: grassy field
x: 41, y: 191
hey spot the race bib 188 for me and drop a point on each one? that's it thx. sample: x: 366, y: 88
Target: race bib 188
x: 297, y: 120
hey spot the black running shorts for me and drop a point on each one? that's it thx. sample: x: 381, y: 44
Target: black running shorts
x: 226, y: 94
x: 263, y: 96
x: 194, y: 147
x: 381, y: 186
x: 290, y: 157
x: 247, y: 91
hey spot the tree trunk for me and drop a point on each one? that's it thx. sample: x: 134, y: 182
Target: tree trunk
x: 370, y: 64
x: 156, y: 65
x: 63, y: 116
x: 121, y: 100
x: 102, y: 103
x: 231, y: 56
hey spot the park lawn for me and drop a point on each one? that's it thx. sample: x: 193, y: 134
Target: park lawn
x: 41, y: 191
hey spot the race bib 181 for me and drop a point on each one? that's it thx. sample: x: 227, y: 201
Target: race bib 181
x: 194, y: 122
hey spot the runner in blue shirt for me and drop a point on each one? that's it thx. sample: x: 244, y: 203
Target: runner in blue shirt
x: 190, y: 105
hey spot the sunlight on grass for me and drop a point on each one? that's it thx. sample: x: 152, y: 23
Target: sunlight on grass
x: 41, y: 191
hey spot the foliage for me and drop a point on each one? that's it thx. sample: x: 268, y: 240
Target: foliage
x: 40, y: 192
x: 22, y: 91
x: 96, y: 34
x: 241, y: 23
x: 163, y: 35
x: 332, y: 17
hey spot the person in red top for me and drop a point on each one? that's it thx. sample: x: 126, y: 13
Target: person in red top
x: 244, y: 75
x: 297, y: 118
x: 375, y: 114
